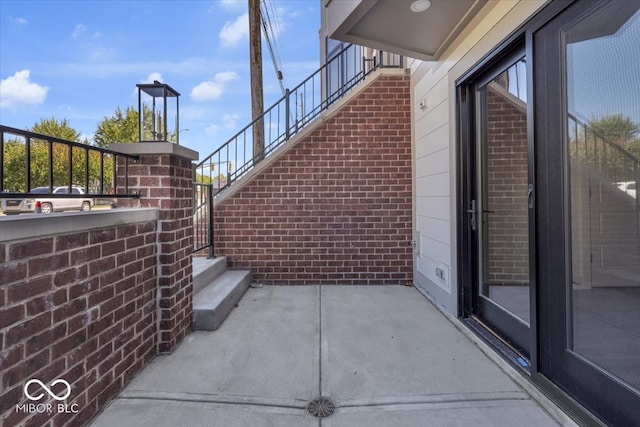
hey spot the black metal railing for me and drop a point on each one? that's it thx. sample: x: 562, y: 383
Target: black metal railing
x: 608, y: 160
x: 291, y: 113
x: 29, y: 160
x: 202, y: 218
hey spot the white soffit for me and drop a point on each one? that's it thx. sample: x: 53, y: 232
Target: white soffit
x: 392, y: 26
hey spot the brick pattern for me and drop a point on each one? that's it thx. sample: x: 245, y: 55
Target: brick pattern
x: 81, y: 307
x: 336, y: 208
x: 507, y: 181
x: 166, y: 182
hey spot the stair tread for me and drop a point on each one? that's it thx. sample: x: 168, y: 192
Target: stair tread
x: 207, y: 270
x: 213, y: 303
x: 215, y: 292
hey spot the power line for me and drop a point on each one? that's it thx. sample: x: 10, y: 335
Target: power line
x: 269, y: 35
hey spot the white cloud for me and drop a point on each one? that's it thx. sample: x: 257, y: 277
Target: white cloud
x: 233, y: 32
x: 79, y: 29
x: 212, y: 89
x: 193, y: 67
x: 19, y: 89
x: 212, y: 128
x: 226, y: 76
x: 152, y: 77
x: 229, y: 121
x: 19, y: 21
x: 230, y: 5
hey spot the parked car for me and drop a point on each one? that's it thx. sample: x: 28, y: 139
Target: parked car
x: 37, y: 198
x: 628, y: 187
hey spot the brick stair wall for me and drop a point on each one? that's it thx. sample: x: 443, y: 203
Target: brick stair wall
x: 336, y: 208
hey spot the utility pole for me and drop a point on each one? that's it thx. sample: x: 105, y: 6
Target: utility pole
x: 255, y: 54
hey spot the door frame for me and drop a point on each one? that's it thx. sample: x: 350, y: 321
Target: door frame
x: 509, y: 329
x: 465, y: 127
x: 542, y: 344
x: 599, y: 390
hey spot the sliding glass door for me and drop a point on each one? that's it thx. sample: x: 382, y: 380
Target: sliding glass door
x: 588, y: 131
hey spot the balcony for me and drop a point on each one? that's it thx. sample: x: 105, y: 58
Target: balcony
x: 428, y: 27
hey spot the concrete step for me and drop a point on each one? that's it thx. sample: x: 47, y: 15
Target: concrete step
x: 212, y: 305
x: 206, y: 270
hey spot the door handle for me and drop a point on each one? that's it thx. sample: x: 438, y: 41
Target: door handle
x: 472, y: 211
x: 530, y: 196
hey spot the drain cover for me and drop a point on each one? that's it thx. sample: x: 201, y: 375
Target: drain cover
x: 321, y: 407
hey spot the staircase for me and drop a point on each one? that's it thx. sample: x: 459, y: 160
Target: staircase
x: 605, y: 217
x: 216, y: 291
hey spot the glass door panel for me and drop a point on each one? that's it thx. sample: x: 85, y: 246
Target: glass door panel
x: 603, y: 137
x: 498, y: 201
x: 587, y: 130
x: 503, y: 208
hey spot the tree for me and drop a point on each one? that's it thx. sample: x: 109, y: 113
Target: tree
x: 121, y: 127
x: 615, y: 128
x: 15, y: 157
x: 62, y: 130
x: 62, y: 155
x: 609, y: 145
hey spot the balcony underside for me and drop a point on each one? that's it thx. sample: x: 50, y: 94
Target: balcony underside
x: 392, y: 25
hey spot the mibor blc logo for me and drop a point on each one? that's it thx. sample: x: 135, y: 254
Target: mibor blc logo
x: 35, y: 390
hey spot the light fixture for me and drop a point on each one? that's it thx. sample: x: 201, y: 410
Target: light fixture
x: 420, y: 5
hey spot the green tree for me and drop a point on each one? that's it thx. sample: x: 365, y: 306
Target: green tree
x: 609, y: 145
x: 14, y: 162
x: 62, y: 130
x: 615, y: 128
x: 120, y: 127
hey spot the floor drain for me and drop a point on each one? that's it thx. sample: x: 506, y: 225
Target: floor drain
x: 321, y: 407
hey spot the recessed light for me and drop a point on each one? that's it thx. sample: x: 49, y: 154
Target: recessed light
x: 420, y: 5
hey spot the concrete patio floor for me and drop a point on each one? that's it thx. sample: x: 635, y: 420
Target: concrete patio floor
x: 383, y: 354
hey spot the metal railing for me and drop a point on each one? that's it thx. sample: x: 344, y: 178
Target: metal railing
x: 29, y: 160
x: 290, y: 114
x: 608, y: 160
x: 202, y: 218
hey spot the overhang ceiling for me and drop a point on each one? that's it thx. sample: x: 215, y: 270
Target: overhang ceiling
x: 390, y: 25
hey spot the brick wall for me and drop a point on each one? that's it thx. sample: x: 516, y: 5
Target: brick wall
x: 337, y: 207
x: 165, y: 181
x: 507, y: 182
x: 80, y: 306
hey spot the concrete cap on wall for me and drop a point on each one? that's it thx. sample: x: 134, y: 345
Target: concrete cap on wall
x: 145, y: 148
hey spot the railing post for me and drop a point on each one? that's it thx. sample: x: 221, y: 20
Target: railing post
x: 27, y: 147
x: 211, y: 218
x: 286, y: 111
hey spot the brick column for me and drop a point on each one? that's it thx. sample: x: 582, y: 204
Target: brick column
x: 164, y: 179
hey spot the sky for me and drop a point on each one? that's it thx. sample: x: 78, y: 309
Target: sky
x: 81, y: 60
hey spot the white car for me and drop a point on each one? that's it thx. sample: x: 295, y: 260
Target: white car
x: 37, y: 198
x: 628, y: 187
